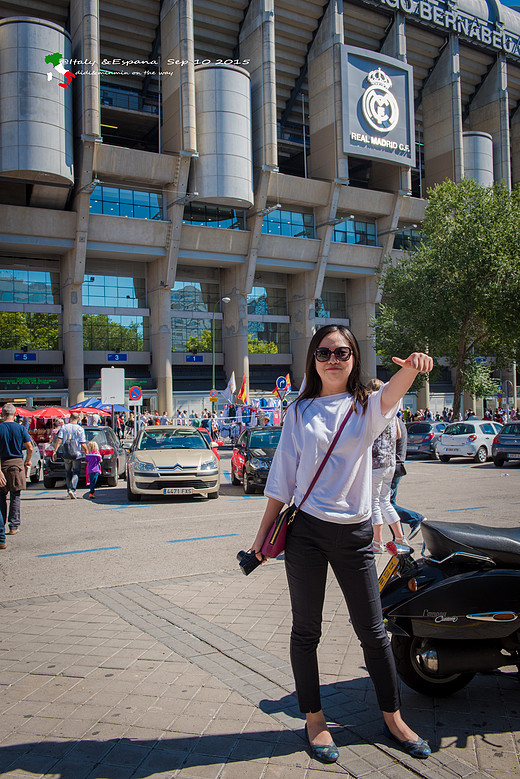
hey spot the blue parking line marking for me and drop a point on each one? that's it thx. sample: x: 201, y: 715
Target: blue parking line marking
x: 227, y: 474
x: 202, y: 538
x: 470, y: 508
x: 127, y: 506
x: 79, y: 551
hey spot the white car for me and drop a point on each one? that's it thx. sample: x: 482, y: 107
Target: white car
x: 473, y: 438
x: 35, y: 471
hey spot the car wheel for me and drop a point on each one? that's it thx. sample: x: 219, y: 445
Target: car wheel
x: 444, y: 458
x: 49, y: 483
x: 249, y: 488
x: 481, y: 455
x: 499, y: 461
x: 132, y: 497
x: 212, y: 495
x: 112, y: 481
x: 234, y: 479
x: 36, y: 476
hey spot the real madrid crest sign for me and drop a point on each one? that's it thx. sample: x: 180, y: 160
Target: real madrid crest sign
x: 377, y: 93
x: 380, y: 107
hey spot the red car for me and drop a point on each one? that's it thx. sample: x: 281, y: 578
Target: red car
x: 206, y: 436
x: 253, y: 455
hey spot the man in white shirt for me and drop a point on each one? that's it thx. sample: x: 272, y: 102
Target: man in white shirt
x: 72, y: 436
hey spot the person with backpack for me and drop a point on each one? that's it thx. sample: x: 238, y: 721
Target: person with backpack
x: 71, y: 437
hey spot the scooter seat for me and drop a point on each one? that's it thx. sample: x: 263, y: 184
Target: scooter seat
x: 501, y: 544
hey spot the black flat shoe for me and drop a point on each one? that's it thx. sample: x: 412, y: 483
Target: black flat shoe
x: 327, y: 754
x: 417, y: 748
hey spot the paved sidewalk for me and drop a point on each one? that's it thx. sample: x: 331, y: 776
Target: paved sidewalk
x: 189, y: 677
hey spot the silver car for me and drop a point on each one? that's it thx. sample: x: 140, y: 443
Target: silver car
x: 423, y: 437
x: 473, y: 438
x: 506, y: 446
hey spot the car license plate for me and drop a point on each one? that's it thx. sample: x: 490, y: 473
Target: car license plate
x: 452, y: 449
x: 412, y: 448
x: 390, y: 569
x: 177, y: 490
x: 513, y: 456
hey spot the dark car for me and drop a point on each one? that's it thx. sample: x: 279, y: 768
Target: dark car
x: 506, y: 444
x: 423, y: 437
x: 253, y: 455
x: 113, y: 464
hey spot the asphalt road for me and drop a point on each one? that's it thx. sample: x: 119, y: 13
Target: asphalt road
x: 67, y: 545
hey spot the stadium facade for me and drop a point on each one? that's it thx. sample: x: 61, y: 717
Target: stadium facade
x: 190, y: 187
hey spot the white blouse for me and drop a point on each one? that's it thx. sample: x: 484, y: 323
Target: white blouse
x: 342, y: 493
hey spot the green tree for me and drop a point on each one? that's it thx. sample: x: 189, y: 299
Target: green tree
x: 101, y: 333
x: 254, y: 345
x: 458, y: 295
x: 38, y: 331
x: 199, y: 343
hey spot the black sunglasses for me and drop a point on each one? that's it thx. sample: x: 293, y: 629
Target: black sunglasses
x: 342, y: 353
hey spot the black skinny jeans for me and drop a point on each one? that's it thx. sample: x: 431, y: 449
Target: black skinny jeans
x: 311, y: 545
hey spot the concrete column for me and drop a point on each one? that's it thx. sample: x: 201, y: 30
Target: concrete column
x: 84, y: 26
x: 234, y: 325
x: 361, y: 307
x: 393, y: 178
x: 256, y: 43
x: 515, y: 147
x: 301, y: 304
x: 327, y: 159
x: 442, y: 119
x: 489, y: 113
x: 423, y: 396
x: 72, y: 302
x: 159, y: 301
x: 178, y: 91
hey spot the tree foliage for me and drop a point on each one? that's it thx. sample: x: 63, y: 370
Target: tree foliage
x: 199, y: 343
x: 458, y: 295
x: 254, y: 345
x: 101, y: 333
x: 36, y: 331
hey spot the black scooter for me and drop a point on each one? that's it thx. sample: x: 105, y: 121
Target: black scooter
x: 455, y: 612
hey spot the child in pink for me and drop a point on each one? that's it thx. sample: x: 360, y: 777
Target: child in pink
x: 93, y: 459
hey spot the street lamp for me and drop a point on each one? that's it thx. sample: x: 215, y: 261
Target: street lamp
x: 223, y: 300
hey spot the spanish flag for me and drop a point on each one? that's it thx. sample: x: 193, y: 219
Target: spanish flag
x: 242, y: 392
x: 288, y: 380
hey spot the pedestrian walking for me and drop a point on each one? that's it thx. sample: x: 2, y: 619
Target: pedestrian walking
x: 72, y: 438
x: 14, y: 439
x: 93, y: 461
x: 383, y: 468
x: 406, y: 516
x: 3, y: 545
x: 336, y: 526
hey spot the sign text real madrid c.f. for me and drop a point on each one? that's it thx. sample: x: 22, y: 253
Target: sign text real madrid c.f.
x: 377, y: 102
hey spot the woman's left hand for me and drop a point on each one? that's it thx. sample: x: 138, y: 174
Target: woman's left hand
x: 417, y: 361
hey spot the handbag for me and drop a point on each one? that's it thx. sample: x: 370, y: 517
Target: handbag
x: 274, y: 544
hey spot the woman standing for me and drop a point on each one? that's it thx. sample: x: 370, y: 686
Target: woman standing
x: 335, y: 526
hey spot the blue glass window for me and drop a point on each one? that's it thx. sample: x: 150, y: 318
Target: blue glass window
x: 114, y: 291
x: 207, y: 215
x: 293, y: 224
x: 103, y: 332
x: 29, y: 286
x: 331, y: 305
x: 195, y: 296
x: 267, y: 300
x: 200, y: 330
x: 271, y: 337
x: 114, y: 201
x: 37, y: 331
x: 355, y: 231
x: 408, y: 240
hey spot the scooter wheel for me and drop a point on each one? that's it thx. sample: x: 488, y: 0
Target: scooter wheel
x: 407, y: 653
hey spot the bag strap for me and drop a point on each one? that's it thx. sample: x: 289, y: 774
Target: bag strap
x: 329, y: 452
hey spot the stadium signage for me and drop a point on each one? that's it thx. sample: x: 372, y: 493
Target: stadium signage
x: 377, y: 106
x: 452, y: 19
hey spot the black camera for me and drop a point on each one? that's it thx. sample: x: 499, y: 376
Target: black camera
x: 248, y: 562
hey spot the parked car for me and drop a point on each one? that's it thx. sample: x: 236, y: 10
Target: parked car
x: 423, y: 437
x: 506, y: 444
x: 473, y: 438
x: 206, y: 436
x: 253, y: 455
x: 35, y: 470
x: 113, y: 464
x: 172, y: 460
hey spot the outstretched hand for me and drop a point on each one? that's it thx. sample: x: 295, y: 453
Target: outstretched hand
x: 417, y: 361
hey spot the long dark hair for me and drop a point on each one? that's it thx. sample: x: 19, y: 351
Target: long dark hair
x: 313, y: 384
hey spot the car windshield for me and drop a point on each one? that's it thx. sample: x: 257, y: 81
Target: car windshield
x: 419, y: 427
x: 460, y: 428
x: 178, y: 439
x: 510, y: 430
x: 99, y: 436
x: 265, y: 439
